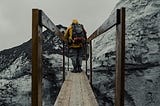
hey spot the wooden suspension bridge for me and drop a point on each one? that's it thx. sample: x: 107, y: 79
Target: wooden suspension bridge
x: 76, y: 89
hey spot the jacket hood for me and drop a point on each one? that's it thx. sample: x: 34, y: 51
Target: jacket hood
x: 75, y: 21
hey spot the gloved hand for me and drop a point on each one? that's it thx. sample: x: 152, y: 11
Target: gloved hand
x: 70, y: 41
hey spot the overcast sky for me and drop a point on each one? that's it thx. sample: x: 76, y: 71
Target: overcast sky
x: 16, y: 16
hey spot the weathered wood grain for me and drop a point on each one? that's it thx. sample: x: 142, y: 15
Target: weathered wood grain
x: 47, y: 23
x: 120, y: 60
x: 36, y: 59
x: 109, y: 23
x: 63, y: 98
x: 90, y: 76
x: 76, y: 91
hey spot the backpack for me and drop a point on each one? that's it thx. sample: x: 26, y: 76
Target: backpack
x: 78, y: 33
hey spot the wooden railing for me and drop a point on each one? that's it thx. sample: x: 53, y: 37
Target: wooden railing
x: 116, y: 19
x: 40, y: 20
x: 36, y: 59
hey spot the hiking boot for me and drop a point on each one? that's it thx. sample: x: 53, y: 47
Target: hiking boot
x: 74, y: 70
x: 79, y: 69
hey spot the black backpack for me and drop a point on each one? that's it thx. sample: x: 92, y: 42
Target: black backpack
x: 78, y: 33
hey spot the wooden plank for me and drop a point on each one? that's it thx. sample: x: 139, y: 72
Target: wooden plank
x: 85, y: 93
x: 47, y: 23
x: 120, y: 60
x: 108, y: 24
x: 36, y: 60
x: 63, y: 98
x: 76, y: 92
x: 88, y: 95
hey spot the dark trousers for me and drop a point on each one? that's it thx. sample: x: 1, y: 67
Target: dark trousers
x: 76, y: 57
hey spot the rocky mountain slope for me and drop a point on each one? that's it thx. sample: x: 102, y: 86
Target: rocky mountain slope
x: 142, y: 80
x: 15, y: 72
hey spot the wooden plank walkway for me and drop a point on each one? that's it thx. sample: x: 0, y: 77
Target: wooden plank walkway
x: 76, y: 91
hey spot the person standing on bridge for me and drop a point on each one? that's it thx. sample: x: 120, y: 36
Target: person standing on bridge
x: 76, y: 37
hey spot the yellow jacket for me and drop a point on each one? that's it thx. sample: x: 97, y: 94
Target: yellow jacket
x: 68, y: 36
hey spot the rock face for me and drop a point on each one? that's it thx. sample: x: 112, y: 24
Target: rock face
x: 15, y: 72
x: 142, y: 61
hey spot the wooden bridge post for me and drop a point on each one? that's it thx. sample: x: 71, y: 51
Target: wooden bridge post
x: 86, y: 57
x: 120, y: 59
x: 68, y: 58
x: 90, y: 77
x: 86, y: 64
x: 63, y: 62
x: 36, y: 59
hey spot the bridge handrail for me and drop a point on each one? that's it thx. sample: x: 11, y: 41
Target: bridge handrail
x: 48, y: 24
x: 40, y: 19
x: 115, y: 19
x: 107, y: 25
